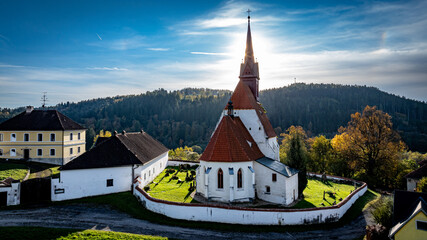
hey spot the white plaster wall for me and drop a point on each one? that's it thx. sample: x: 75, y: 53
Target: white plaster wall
x: 281, y: 191
x: 411, y: 184
x: 13, y: 193
x: 149, y: 171
x: 207, y: 185
x: 91, y: 182
x: 194, y: 212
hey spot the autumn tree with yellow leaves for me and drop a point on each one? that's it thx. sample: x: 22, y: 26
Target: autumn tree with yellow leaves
x: 370, y: 147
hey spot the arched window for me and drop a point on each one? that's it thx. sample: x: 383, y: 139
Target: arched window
x: 220, y: 178
x: 239, y: 179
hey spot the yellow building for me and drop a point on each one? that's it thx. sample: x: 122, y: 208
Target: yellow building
x: 414, y: 227
x: 45, y: 136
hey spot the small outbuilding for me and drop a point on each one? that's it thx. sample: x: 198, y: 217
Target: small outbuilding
x: 111, y: 167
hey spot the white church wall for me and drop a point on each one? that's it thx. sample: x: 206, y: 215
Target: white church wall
x: 176, y: 163
x: 13, y: 193
x: 236, y: 215
x: 281, y: 191
x: 207, y: 184
x: 149, y: 171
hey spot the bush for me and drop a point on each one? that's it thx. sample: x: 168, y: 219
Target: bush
x: 174, y: 177
x: 422, y: 185
x: 193, y: 173
x: 382, y: 211
x: 147, y: 188
x: 170, y: 171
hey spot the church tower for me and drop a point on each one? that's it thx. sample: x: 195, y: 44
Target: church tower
x: 249, y: 73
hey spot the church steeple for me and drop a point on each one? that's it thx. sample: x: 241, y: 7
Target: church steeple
x: 249, y: 68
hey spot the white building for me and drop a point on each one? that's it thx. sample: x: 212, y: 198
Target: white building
x: 9, y: 192
x: 111, y: 167
x: 241, y: 161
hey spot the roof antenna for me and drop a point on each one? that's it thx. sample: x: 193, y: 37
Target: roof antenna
x: 44, y: 100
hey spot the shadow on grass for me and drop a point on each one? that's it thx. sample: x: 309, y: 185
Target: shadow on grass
x: 303, y: 204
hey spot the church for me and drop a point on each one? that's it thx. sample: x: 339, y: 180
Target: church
x: 241, y: 161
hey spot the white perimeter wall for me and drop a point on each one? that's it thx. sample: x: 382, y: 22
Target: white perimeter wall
x: 176, y: 163
x: 234, y: 215
x: 281, y: 191
x: 13, y: 193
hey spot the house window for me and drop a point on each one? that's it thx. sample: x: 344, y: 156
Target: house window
x: 78, y: 149
x: 39, y: 137
x: 149, y: 172
x: 154, y: 170
x: 52, y: 137
x: 39, y: 152
x: 26, y: 137
x: 109, y: 182
x: 220, y: 179
x: 78, y: 136
x: 71, y: 151
x: 1, y: 152
x: 71, y: 136
x: 145, y: 176
x: 267, y: 189
x: 13, y: 152
x: 239, y: 179
x: 1, y: 137
x: 421, y: 225
x: 274, y: 177
x: 13, y: 137
x: 52, y: 152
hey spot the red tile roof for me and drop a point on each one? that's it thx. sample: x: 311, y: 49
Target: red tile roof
x: 243, y: 98
x: 231, y: 142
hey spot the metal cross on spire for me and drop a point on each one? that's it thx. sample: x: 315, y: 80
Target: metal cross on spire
x: 249, y: 13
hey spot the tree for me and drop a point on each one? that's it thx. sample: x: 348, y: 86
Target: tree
x: 320, y: 154
x: 294, y: 145
x: 382, y: 211
x: 371, y: 147
x: 422, y: 185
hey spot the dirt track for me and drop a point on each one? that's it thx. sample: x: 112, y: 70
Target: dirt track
x: 82, y: 216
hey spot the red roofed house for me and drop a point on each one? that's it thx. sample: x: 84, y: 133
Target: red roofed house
x: 241, y: 161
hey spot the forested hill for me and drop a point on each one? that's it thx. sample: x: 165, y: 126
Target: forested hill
x: 188, y: 117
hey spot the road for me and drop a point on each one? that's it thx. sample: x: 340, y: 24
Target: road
x: 83, y: 216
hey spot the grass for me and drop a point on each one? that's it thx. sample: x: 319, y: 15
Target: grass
x: 18, y: 170
x: 15, y: 170
x: 313, y: 194
x: 164, y: 187
x: 65, y: 234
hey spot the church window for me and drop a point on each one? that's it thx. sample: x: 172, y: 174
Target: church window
x: 274, y: 177
x: 220, y: 179
x: 145, y: 176
x: 239, y: 179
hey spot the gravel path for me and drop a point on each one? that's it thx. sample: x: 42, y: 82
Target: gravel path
x: 82, y: 216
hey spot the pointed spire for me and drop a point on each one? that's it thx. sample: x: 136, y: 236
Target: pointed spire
x: 249, y: 53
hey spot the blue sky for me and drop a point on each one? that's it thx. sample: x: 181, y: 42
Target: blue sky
x: 77, y: 50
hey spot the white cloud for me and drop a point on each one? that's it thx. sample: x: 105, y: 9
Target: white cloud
x: 158, y: 49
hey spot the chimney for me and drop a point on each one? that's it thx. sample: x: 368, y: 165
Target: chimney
x: 124, y: 132
x: 230, y: 111
x: 29, y: 109
x: 115, y: 133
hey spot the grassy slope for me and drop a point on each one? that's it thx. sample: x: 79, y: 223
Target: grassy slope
x: 65, y: 234
x: 313, y: 194
x: 14, y: 170
x: 171, y: 190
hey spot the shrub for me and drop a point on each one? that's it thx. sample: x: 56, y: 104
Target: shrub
x: 170, y: 170
x: 174, y: 177
x: 193, y: 173
x: 382, y: 211
x: 147, y: 188
x: 422, y: 185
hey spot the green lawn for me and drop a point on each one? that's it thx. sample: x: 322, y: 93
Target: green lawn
x: 15, y: 170
x: 45, y: 173
x: 65, y: 234
x: 313, y: 194
x: 175, y: 190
